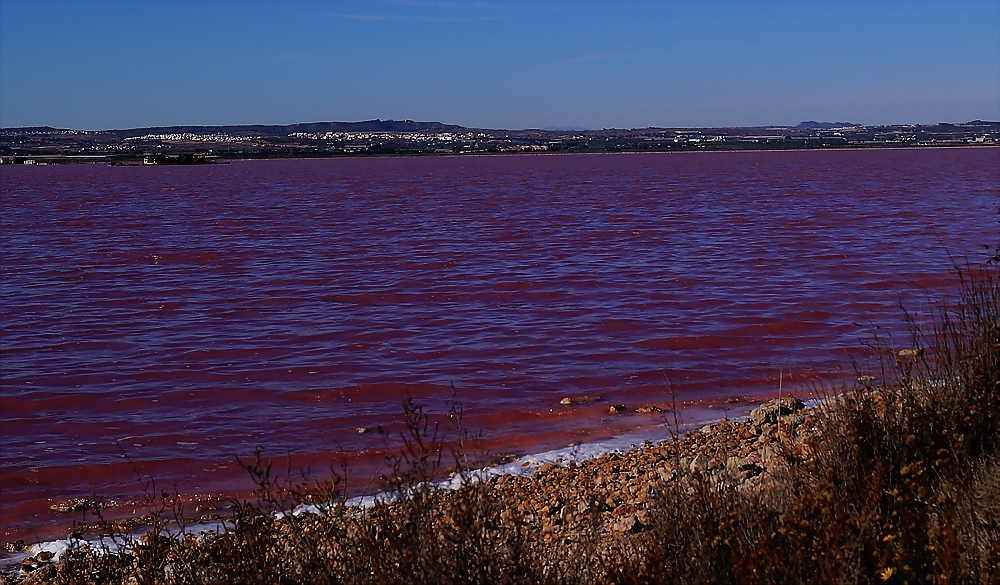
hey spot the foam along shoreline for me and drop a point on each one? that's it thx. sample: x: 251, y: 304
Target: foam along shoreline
x: 572, y: 455
x: 526, y: 465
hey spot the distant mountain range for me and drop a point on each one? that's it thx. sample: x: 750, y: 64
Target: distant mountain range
x: 812, y: 124
x: 279, y: 130
x: 276, y: 130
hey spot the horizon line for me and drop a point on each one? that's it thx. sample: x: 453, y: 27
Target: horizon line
x: 552, y: 128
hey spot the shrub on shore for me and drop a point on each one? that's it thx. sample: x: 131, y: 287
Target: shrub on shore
x: 895, y: 479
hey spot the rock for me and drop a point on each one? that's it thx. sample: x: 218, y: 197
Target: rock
x: 361, y: 430
x: 15, y: 547
x: 699, y: 463
x: 586, y: 398
x: 649, y: 409
x: 506, y: 515
x: 617, y: 409
x: 735, y: 463
x: 768, y: 413
x: 750, y: 469
x: 44, y: 556
x: 911, y: 352
x: 627, y: 523
x: 793, y: 420
x: 42, y: 574
x: 769, y: 456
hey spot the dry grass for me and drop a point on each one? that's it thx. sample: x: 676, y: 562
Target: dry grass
x: 898, y: 483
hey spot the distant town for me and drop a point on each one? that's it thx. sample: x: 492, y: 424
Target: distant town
x: 205, y: 144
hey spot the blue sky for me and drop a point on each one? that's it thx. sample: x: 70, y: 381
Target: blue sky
x: 95, y: 65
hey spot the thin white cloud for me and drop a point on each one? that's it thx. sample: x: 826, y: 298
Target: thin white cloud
x: 442, y: 4
x: 600, y: 57
x: 394, y: 18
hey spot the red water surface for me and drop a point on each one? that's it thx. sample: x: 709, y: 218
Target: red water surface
x: 185, y: 315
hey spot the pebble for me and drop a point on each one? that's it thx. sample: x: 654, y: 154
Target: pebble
x: 699, y: 463
x: 586, y: 398
x: 43, y: 574
x: 768, y: 413
x: 629, y: 523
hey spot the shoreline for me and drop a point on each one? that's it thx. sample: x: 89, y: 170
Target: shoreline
x: 785, y: 491
x: 614, y: 430
x: 570, y: 461
x: 59, y: 160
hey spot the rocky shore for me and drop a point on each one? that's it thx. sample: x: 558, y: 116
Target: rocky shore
x: 611, y: 497
x: 745, y: 454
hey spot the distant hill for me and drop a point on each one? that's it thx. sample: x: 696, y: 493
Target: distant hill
x: 812, y: 124
x: 407, y: 137
x: 310, y: 127
x: 34, y: 130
